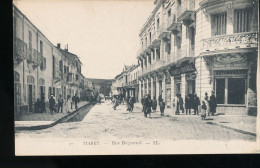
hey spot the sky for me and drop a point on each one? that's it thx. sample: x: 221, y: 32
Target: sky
x: 104, y: 34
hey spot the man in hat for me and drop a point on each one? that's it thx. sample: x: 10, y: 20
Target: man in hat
x: 213, y: 103
x: 52, y: 104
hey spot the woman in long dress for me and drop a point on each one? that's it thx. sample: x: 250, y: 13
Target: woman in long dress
x: 206, y: 99
x: 68, y: 104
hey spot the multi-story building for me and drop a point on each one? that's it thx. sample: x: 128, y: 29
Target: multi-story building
x: 40, y: 68
x: 199, y: 46
x: 133, y: 87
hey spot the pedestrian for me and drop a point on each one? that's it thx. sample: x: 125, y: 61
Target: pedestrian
x: 154, y: 104
x: 159, y: 98
x: 43, y: 108
x: 52, y: 104
x: 212, y: 103
x: 181, y: 103
x: 162, y: 107
x: 142, y: 102
x: 203, y: 110
x: 131, y: 102
x: 127, y: 100
x: 38, y: 106
x: 60, y: 104
x: 68, y: 103
x: 196, y: 103
x: 176, y: 104
x: 206, y: 99
x: 148, y: 105
x: 76, y: 101
x: 116, y: 103
x: 187, y: 104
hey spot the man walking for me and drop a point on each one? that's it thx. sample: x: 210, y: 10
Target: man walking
x: 212, y: 103
x: 60, y: 104
x: 162, y: 107
x: 196, y: 103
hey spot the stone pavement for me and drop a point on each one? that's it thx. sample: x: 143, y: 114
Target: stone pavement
x: 36, y: 119
x: 239, y: 122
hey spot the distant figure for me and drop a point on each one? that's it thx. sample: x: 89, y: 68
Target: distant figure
x: 131, y: 102
x: 206, y: 100
x: 60, y: 104
x: 212, y: 103
x: 116, y: 103
x: 176, y: 104
x: 143, y: 105
x: 52, y: 104
x: 154, y: 104
x: 68, y: 105
x: 203, y: 110
x: 162, y: 107
x: 75, y: 100
x: 148, y: 105
x: 43, y: 108
x: 159, y: 98
x: 187, y: 104
x: 38, y: 106
x: 196, y: 103
x: 181, y: 103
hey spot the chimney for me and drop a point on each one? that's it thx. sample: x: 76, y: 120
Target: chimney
x: 58, y: 45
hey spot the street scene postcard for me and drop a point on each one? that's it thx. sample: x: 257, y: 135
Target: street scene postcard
x: 122, y: 77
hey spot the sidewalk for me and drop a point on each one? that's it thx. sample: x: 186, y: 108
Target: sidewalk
x: 38, y: 119
x: 242, y: 123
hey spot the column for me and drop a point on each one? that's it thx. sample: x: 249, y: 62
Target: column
x: 172, y: 89
x: 148, y: 64
x: 147, y: 83
x: 155, y: 54
x: 152, y: 54
x: 183, y: 85
x: 152, y: 87
x: 157, y: 87
x: 164, y: 94
x: 139, y: 96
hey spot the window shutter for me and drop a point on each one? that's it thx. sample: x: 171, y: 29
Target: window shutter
x: 44, y: 92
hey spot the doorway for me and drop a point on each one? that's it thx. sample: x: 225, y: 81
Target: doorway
x: 30, y: 98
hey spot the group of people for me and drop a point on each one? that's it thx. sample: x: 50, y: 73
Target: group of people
x: 69, y: 103
x: 116, y: 100
x: 191, y: 102
x: 151, y: 105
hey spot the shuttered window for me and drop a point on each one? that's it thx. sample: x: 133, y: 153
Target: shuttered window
x: 219, y: 24
x: 241, y: 20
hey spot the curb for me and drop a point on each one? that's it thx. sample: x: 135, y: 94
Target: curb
x: 234, y: 129
x: 61, y: 120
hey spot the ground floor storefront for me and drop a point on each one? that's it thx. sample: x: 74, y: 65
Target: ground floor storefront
x: 232, y: 77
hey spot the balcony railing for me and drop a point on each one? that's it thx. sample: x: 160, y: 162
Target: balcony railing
x: 36, y: 58
x: 186, y: 6
x: 158, y: 64
x: 20, y: 50
x: 230, y: 41
x: 155, y: 36
x: 186, y: 51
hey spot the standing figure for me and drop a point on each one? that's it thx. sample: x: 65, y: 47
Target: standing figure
x: 203, y: 110
x: 162, y: 107
x: 148, y: 105
x: 154, y: 104
x: 196, y: 103
x: 143, y: 101
x: 37, y: 106
x: 212, y: 103
x: 76, y: 101
x: 176, y: 104
x: 116, y: 103
x: 52, y: 104
x: 159, y: 98
x: 127, y: 100
x: 181, y: 103
x: 68, y: 103
x: 131, y: 102
x: 60, y: 104
x: 43, y: 108
x: 187, y: 104
x: 206, y: 99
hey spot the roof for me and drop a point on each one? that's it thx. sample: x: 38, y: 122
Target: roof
x: 100, y: 81
x: 71, y: 54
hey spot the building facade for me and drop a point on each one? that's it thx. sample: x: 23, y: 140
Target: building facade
x: 192, y: 46
x: 40, y: 68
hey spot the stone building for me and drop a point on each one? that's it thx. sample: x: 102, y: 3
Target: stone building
x: 198, y: 46
x: 40, y: 68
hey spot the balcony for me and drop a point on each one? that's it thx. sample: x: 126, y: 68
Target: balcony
x: 158, y: 64
x: 237, y: 41
x: 186, y: 12
x: 173, y: 25
x: 140, y: 52
x: 186, y: 52
x: 156, y: 41
x: 20, y: 51
x: 163, y: 32
x: 37, y: 58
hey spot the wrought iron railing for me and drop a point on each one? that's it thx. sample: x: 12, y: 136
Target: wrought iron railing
x: 237, y: 40
x: 186, y: 6
x: 20, y: 49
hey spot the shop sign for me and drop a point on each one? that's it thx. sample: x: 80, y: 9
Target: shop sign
x: 183, y: 69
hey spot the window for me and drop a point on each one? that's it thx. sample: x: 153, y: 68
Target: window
x: 219, y: 24
x: 169, y: 13
x: 41, y: 48
x: 158, y: 23
x: 230, y: 91
x: 43, y: 64
x: 241, y: 20
x: 77, y: 77
x: 30, y: 45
